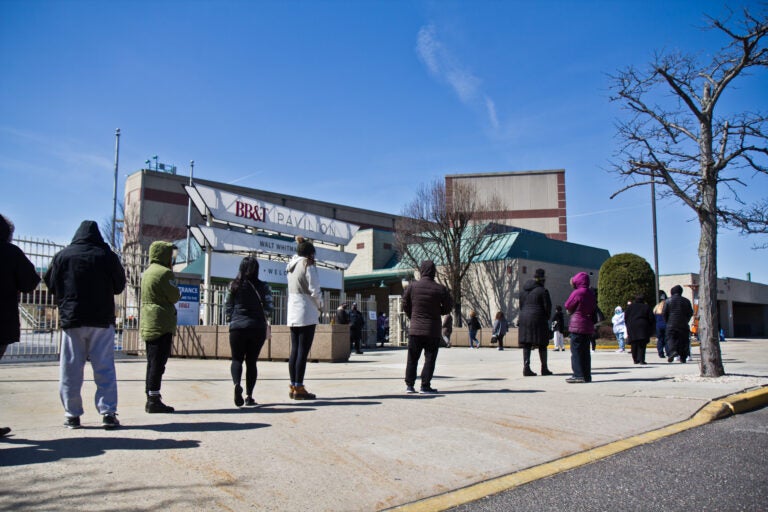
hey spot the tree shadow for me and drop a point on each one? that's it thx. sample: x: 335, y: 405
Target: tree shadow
x: 202, y: 426
x: 40, y: 452
x: 635, y: 379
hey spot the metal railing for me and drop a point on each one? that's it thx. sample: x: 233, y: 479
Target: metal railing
x: 39, y: 316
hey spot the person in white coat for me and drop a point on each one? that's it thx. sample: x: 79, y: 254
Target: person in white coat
x: 619, y: 327
x: 305, y: 303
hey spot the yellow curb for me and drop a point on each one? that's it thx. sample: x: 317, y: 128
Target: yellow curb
x: 720, y: 408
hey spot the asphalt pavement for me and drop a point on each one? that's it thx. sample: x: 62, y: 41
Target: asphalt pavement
x: 363, y: 445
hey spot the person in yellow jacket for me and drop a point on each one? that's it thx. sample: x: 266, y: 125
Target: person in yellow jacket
x: 157, y: 322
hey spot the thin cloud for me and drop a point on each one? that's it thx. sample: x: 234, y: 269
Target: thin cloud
x: 447, y: 69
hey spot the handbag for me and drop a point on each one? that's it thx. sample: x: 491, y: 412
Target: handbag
x: 261, y: 302
x: 494, y: 339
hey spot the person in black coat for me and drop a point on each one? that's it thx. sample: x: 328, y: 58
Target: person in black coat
x: 641, y: 324
x: 535, y: 310
x: 17, y: 274
x: 249, y: 305
x: 424, y: 301
x: 356, y: 324
x: 677, y: 313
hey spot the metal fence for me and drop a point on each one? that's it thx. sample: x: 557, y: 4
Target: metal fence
x: 39, y: 316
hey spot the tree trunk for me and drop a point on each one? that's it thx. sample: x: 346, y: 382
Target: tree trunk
x: 711, y: 358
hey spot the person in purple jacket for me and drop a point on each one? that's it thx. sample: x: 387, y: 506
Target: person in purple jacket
x: 582, y: 306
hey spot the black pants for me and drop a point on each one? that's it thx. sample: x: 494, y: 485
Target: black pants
x: 158, y: 352
x: 500, y: 339
x: 678, y: 343
x: 638, y: 350
x: 527, y: 348
x: 301, y: 343
x: 581, y: 360
x: 416, y: 344
x: 355, y: 335
x: 246, y: 345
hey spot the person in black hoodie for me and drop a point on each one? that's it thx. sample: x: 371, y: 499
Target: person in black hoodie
x: 677, y: 313
x: 356, y: 324
x: 641, y: 324
x: 535, y: 310
x: 424, y: 301
x: 17, y: 274
x: 249, y: 304
x: 84, y: 277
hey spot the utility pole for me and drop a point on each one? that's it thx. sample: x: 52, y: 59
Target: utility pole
x: 114, y: 191
x: 189, y: 206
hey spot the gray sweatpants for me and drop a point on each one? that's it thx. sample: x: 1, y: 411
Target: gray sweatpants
x: 79, y: 343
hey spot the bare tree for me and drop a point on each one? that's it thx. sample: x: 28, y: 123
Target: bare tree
x: 449, y: 228
x: 491, y: 288
x: 675, y: 139
x: 107, y: 227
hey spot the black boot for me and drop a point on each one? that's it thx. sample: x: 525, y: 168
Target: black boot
x: 156, y: 405
x: 527, y: 372
x: 543, y: 358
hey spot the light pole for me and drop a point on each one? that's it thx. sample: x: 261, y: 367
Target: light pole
x: 189, y: 206
x: 655, y: 241
x: 114, y: 191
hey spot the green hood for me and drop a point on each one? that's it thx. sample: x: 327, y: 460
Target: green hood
x: 161, y: 253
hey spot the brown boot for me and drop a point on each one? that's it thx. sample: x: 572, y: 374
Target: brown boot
x: 292, y: 392
x: 301, y: 393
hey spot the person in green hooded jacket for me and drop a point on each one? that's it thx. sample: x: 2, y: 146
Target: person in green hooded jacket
x: 159, y: 294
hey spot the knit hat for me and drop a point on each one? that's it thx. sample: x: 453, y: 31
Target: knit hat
x: 676, y: 290
x: 539, y: 274
x: 304, y: 247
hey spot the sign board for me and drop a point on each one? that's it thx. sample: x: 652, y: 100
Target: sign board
x: 188, y: 307
x: 223, y: 240
x: 226, y: 265
x: 247, y: 211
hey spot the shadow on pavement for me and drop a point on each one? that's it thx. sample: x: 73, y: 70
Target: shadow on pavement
x: 41, y: 452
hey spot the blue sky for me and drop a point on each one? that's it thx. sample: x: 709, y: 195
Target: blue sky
x: 353, y: 102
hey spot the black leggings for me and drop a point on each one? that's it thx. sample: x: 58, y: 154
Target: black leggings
x: 246, y: 345
x: 158, y: 352
x: 301, y: 343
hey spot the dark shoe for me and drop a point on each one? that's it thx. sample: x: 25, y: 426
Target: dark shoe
x: 501, y: 348
x: 358, y: 352
x: 4, y: 431
x: 250, y: 402
x: 527, y: 372
x: 301, y: 393
x: 292, y: 392
x: 575, y: 380
x: 109, y: 421
x: 239, y: 395
x: 643, y: 362
x: 545, y: 371
x: 155, y: 405
x: 72, y: 422
x: 427, y: 390
x: 410, y: 390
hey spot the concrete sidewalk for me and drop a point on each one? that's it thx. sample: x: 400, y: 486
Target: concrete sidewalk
x: 363, y: 445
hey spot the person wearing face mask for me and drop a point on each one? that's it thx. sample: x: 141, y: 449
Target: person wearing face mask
x: 582, y: 306
x: 619, y: 327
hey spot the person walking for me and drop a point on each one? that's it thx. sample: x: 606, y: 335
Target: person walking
x: 157, y: 320
x: 305, y: 304
x: 500, y: 328
x: 661, y: 326
x: 558, y: 328
x: 619, y: 327
x: 640, y: 324
x: 423, y: 303
x: 677, y: 313
x: 473, y: 326
x: 582, y: 306
x: 249, y: 305
x: 17, y: 275
x: 356, y: 324
x: 533, y: 332
x: 84, y: 277
x: 447, y: 329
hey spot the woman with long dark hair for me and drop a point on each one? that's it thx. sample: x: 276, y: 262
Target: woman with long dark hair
x: 249, y: 305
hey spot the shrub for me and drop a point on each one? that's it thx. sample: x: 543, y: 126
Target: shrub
x: 621, y: 278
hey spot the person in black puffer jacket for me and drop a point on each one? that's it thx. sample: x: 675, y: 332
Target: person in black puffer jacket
x: 424, y: 301
x: 249, y: 304
x: 535, y: 310
x: 641, y: 324
x: 677, y: 313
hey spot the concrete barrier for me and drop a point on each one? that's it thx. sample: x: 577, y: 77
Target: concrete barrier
x: 331, y: 343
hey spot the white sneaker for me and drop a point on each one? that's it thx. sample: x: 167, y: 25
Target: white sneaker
x: 677, y: 359
x: 689, y: 359
x: 620, y: 351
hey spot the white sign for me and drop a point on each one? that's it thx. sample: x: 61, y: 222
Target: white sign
x: 188, y: 306
x: 224, y: 240
x: 226, y: 266
x: 247, y: 211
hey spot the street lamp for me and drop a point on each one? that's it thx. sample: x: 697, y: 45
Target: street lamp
x: 114, y: 190
x: 189, y: 206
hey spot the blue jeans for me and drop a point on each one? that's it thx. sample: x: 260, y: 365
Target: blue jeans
x: 620, y: 339
x: 581, y: 360
x: 473, y: 339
